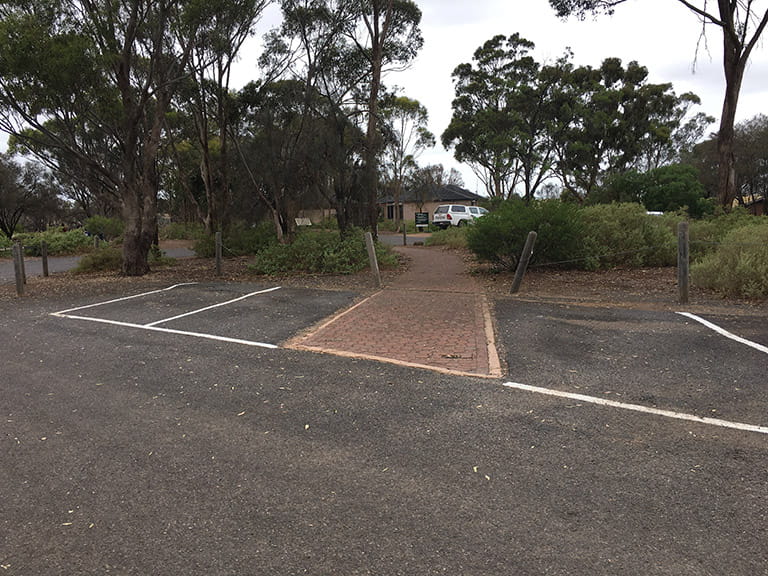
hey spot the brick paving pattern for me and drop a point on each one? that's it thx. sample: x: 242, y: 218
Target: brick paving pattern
x: 433, y: 315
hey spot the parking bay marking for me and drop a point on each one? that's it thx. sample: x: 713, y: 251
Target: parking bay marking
x: 639, y: 408
x: 212, y: 307
x: 656, y: 411
x: 153, y: 326
x: 725, y: 333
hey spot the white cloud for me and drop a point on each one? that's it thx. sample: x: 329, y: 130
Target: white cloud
x: 661, y: 35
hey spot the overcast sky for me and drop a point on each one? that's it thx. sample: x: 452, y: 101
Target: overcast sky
x: 661, y: 35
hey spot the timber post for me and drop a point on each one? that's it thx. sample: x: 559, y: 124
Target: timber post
x: 522, y: 265
x: 683, y: 262
x: 372, y: 257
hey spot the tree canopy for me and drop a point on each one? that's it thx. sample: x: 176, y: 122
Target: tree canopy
x: 519, y: 123
x: 742, y: 25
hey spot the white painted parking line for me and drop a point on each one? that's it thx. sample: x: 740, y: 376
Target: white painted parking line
x: 152, y: 327
x: 170, y: 331
x: 725, y: 333
x: 639, y: 408
x: 212, y: 307
x: 122, y: 299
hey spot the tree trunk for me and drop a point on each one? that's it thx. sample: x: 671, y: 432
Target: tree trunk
x: 733, y: 67
x: 137, y: 235
x: 379, y: 31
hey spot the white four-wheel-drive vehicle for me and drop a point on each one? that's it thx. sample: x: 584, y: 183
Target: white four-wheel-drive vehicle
x: 456, y: 215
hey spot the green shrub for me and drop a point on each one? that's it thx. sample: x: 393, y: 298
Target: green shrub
x: 240, y: 240
x: 665, y: 189
x: 452, y: 237
x: 106, y: 259
x: 181, y: 231
x: 499, y: 237
x: 625, y: 235
x: 705, y: 235
x: 319, y: 252
x: 59, y: 242
x: 103, y: 227
x: 739, y: 266
x: 389, y: 226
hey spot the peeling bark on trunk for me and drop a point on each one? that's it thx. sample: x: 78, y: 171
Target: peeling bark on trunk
x: 733, y: 65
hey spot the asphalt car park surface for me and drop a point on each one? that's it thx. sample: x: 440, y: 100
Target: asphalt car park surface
x: 132, y: 451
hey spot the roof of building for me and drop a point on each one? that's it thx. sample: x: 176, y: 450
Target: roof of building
x: 447, y: 193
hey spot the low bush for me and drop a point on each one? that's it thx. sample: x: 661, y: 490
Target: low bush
x: 625, y: 235
x: 181, y: 231
x: 705, y: 235
x: 451, y: 237
x: 106, y: 259
x: 110, y: 259
x: 59, y: 243
x: 103, y: 227
x: 240, y: 240
x: 389, y: 226
x: 738, y: 267
x: 499, y: 237
x: 319, y: 252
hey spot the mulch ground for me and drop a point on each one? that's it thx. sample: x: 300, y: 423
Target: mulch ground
x: 641, y: 288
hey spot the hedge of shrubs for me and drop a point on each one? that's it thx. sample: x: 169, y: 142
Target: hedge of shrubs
x: 319, y: 252
x: 59, y: 242
x: 738, y: 266
x: 729, y: 252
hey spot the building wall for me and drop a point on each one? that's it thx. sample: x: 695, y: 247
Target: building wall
x: 410, y: 209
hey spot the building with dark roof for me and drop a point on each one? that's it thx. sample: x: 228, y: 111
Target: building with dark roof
x: 412, y: 201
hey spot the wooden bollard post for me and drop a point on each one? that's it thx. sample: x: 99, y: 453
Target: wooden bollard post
x: 21, y: 260
x: 522, y: 265
x: 44, y: 255
x: 218, y: 253
x: 683, y: 262
x: 17, y: 268
x: 372, y: 257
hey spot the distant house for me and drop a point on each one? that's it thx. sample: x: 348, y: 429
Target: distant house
x: 755, y: 204
x: 412, y: 202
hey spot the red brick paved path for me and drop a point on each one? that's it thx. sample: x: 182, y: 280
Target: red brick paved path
x: 433, y: 315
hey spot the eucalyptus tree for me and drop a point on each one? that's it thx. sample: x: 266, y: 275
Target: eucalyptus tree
x: 751, y: 152
x: 387, y: 34
x: 406, y: 137
x: 616, y: 120
x: 27, y: 195
x: 340, y: 50
x: 424, y: 180
x: 294, y: 151
x: 81, y: 181
x: 742, y: 24
x: 14, y: 197
x: 73, y: 67
x: 209, y: 101
x: 312, y: 48
x: 505, y: 111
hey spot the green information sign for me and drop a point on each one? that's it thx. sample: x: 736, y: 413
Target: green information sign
x: 422, y: 219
